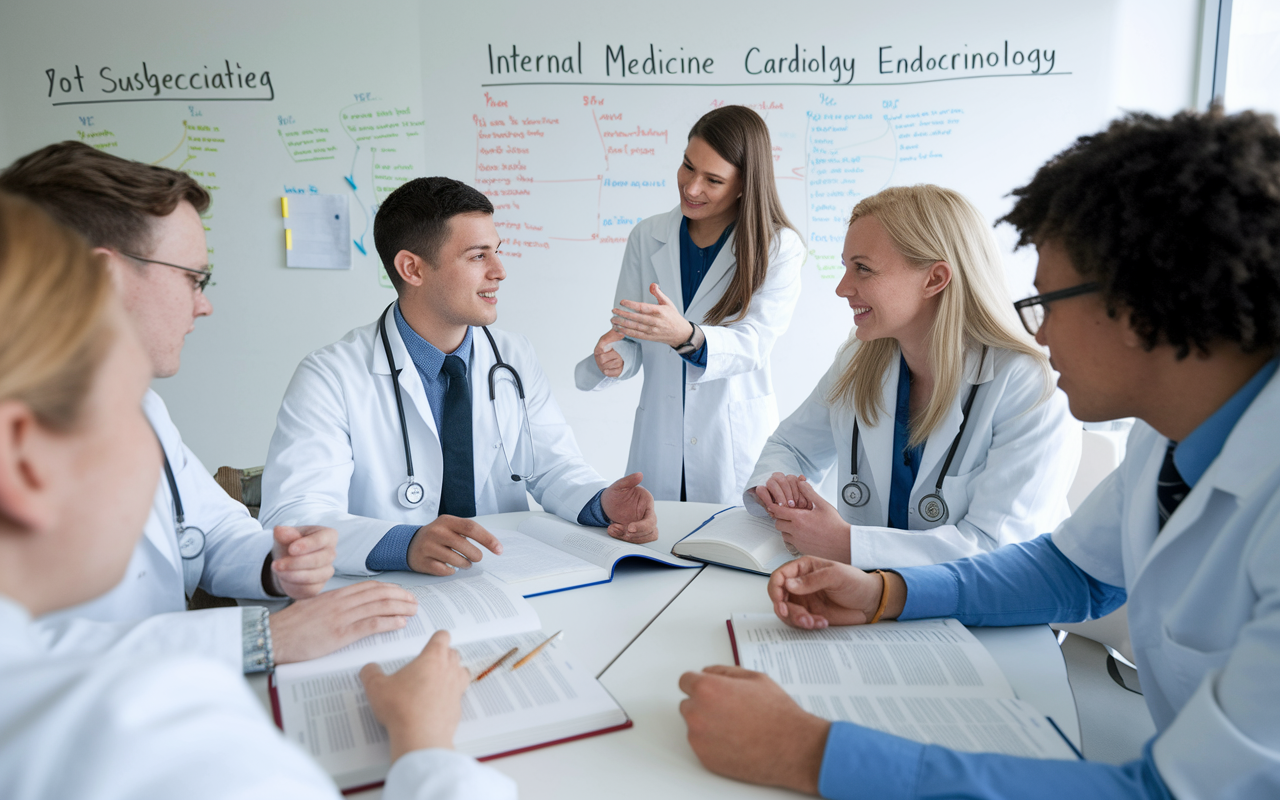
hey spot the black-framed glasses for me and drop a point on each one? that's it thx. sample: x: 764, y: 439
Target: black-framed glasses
x: 1031, y: 311
x: 206, y: 275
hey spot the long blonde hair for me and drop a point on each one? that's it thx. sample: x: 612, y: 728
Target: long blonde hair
x: 55, y: 329
x: 927, y: 224
x: 740, y: 137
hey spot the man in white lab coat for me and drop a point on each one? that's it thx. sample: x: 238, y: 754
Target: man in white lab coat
x: 1159, y: 281
x: 407, y: 427
x: 144, y: 223
x: 78, y: 469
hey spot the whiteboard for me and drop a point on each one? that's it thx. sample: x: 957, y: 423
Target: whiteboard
x: 576, y: 135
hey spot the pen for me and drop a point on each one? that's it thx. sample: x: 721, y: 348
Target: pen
x: 535, y: 651
x: 495, y: 664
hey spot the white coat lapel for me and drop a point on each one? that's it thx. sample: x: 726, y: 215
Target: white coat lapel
x: 877, y: 441
x: 666, y: 262
x: 714, y: 283
x: 486, y: 441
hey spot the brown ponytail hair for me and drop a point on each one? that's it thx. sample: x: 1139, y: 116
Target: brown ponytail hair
x: 740, y: 137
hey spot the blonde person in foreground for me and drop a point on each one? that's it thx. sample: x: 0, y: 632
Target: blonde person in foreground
x: 1159, y: 298
x: 940, y: 417
x: 78, y: 469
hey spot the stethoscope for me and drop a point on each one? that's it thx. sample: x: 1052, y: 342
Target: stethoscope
x: 932, y: 507
x: 190, y: 538
x: 411, y: 494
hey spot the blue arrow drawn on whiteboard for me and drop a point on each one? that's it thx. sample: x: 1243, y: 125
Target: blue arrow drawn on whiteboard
x: 359, y: 243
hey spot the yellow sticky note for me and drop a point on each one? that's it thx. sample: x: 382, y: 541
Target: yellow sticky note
x: 284, y: 206
x: 288, y: 239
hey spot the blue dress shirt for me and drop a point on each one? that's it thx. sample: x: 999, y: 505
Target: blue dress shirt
x: 392, y: 551
x: 1018, y: 584
x: 906, y: 461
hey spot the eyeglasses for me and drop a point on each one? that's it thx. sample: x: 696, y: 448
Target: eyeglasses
x: 1032, y: 310
x: 206, y: 275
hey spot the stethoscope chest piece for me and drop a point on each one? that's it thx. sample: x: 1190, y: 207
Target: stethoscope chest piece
x: 190, y: 542
x: 410, y: 494
x: 933, y: 508
x: 855, y: 493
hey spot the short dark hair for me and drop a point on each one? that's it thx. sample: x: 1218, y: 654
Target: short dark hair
x: 108, y: 200
x: 1178, y: 219
x: 415, y: 217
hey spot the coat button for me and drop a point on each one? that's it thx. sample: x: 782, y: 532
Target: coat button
x: 693, y: 388
x: 694, y: 440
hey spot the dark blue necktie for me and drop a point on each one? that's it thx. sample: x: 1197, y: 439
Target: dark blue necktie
x: 458, y: 488
x: 1171, y: 489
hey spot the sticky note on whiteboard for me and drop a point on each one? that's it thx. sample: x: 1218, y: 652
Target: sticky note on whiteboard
x: 317, y: 231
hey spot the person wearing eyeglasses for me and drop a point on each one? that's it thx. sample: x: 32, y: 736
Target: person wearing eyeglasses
x: 939, y: 416
x: 406, y: 428
x: 145, y: 223
x: 1159, y: 280
x: 78, y: 469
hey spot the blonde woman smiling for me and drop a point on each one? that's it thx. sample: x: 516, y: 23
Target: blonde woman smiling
x: 940, y: 417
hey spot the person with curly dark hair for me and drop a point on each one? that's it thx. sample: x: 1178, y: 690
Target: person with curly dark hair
x: 1159, y: 281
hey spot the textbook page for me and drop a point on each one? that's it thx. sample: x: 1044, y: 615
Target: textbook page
x: 544, y: 701
x: 471, y: 606
x: 926, y: 680
x: 736, y: 538
x: 536, y: 566
x: 593, y: 545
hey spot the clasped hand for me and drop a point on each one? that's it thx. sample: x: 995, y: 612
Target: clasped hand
x: 805, y: 519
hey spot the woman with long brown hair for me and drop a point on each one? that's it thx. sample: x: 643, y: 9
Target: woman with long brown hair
x: 705, y: 291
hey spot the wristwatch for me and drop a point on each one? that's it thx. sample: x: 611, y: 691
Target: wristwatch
x: 693, y: 343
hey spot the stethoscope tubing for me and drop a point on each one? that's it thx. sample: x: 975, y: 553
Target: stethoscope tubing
x: 932, y: 506
x: 411, y: 488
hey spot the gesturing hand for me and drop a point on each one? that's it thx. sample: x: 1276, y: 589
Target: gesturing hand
x: 814, y: 593
x: 421, y: 703
x: 608, y: 359
x: 443, y: 545
x: 743, y: 725
x: 302, y: 559
x: 660, y: 322
x: 629, y: 507
x: 318, y: 626
x: 816, y: 528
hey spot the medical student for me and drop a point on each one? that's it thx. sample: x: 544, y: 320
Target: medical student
x: 940, y: 417
x: 407, y: 427
x: 145, y: 223
x: 705, y: 291
x: 1159, y: 281
x: 78, y: 468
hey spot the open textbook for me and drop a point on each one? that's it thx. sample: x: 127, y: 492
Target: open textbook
x: 546, y: 554
x: 321, y: 704
x: 736, y: 538
x: 927, y: 680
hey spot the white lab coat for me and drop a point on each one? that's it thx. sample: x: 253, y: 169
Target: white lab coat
x: 130, y: 726
x: 337, y: 456
x: 134, y: 615
x: 1007, y: 483
x: 729, y: 408
x: 1203, y: 602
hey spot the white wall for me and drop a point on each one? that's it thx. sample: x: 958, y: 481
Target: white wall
x: 431, y: 58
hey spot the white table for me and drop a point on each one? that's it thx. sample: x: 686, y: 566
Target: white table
x: 653, y: 759
x: 652, y: 623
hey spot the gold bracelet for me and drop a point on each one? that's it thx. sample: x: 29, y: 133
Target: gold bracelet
x: 884, y: 597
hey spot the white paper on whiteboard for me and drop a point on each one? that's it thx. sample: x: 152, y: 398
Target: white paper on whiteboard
x: 321, y: 232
